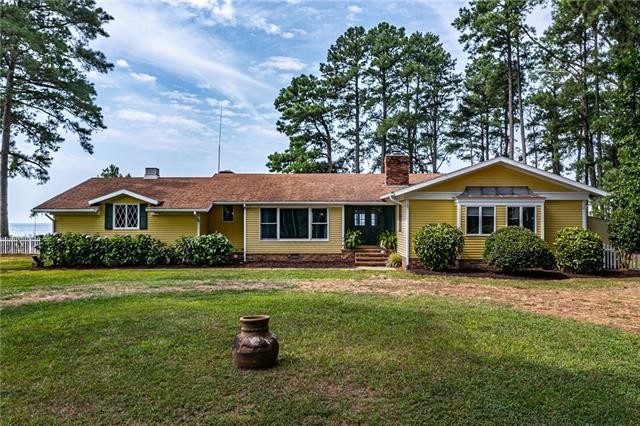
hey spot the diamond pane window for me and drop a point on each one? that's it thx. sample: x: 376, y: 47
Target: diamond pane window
x: 125, y: 216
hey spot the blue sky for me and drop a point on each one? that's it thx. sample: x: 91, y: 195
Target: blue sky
x: 177, y: 61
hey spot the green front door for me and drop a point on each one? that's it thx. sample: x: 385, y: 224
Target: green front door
x: 370, y: 221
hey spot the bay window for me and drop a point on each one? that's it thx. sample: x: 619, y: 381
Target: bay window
x: 294, y: 224
x: 524, y: 216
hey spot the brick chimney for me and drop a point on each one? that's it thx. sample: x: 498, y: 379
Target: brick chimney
x: 396, y: 169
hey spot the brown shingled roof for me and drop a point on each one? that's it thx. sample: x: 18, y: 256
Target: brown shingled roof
x: 199, y: 193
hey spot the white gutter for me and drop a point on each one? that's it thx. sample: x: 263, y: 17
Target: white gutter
x: 89, y: 210
x: 161, y: 210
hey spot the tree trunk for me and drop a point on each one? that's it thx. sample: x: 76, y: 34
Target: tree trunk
x: 4, y: 149
x: 597, y: 105
x: 523, y: 141
x: 510, y: 95
x: 357, y: 144
x: 590, y: 172
x: 434, y: 150
x: 383, y: 139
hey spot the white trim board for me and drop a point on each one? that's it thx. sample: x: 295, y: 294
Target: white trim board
x: 124, y: 192
x: 89, y: 210
x: 506, y: 162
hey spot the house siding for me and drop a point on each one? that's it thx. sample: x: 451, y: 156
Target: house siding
x: 402, y: 233
x: 560, y: 214
x: 424, y: 212
x: 166, y: 227
x: 257, y: 246
x: 232, y: 230
x: 497, y: 175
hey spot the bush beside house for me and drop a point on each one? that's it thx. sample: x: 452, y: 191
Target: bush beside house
x: 72, y: 249
x: 438, y: 245
x: 514, y: 249
x: 578, y: 250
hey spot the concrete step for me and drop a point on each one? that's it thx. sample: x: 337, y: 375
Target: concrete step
x: 370, y: 263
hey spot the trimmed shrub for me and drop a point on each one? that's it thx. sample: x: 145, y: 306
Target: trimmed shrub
x: 578, y: 250
x: 71, y: 249
x: 352, y: 239
x: 438, y: 245
x: 205, y: 250
x: 388, y: 240
x: 514, y: 249
x: 394, y: 260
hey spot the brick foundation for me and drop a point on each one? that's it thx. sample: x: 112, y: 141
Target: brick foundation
x: 345, y: 258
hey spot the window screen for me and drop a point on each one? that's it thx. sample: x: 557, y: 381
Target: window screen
x: 268, y: 224
x: 227, y: 213
x: 294, y: 223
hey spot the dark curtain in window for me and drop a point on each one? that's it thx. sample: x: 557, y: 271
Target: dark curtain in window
x: 268, y: 226
x: 473, y: 220
x: 487, y: 220
x: 294, y: 223
x: 529, y: 218
x: 513, y: 216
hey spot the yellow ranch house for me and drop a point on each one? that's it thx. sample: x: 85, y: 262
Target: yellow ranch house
x: 303, y: 217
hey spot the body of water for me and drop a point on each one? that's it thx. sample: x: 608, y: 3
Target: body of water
x: 29, y: 229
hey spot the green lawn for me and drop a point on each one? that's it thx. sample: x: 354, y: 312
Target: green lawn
x: 344, y: 359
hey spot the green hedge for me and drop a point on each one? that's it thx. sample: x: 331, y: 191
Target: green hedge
x: 514, y: 249
x: 74, y: 249
x: 207, y: 250
x: 438, y: 245
x: 579, y: 250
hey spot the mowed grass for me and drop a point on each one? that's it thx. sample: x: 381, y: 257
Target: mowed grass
x: 344, y: 359
x: 16, y: 276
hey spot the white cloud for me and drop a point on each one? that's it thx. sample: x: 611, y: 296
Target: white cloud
x: 222, y: 11
x: 148, y: 117
x: 135, y: 115
x: 353, y: 12
x: 167, y: 43
x: 142, y: 77
x: 282, y: 63
x: 122, y: 63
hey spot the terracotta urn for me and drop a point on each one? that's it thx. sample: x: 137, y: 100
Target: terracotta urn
x: 255, y: 346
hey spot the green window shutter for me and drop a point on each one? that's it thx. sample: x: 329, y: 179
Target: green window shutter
x: 108, y: 216
x: 143, y: 216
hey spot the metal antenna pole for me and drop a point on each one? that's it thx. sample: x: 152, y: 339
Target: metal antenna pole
x: 219, y: 136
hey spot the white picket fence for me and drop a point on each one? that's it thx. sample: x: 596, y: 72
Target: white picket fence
x: 19, y: 245
x: 611, y: 258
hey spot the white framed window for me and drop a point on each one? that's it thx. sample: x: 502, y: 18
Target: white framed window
x: 319, y: 224
x: 524, y: 216
x: 480, y: 220
x: 359, y: 218
x: 126, y: 216
x: 374, y: 218
x: 294, y: 224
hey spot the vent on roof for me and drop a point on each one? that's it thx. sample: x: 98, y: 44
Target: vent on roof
x: 151, y: 173
x: 226, y: 171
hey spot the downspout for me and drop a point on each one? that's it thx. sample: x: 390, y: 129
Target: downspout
x: 53, y: 222
x: 197, y: 215
x: 244, y: 233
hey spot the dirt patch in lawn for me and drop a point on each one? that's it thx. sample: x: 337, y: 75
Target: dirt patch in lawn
x: 618, y: 307
x: 614, y: 306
